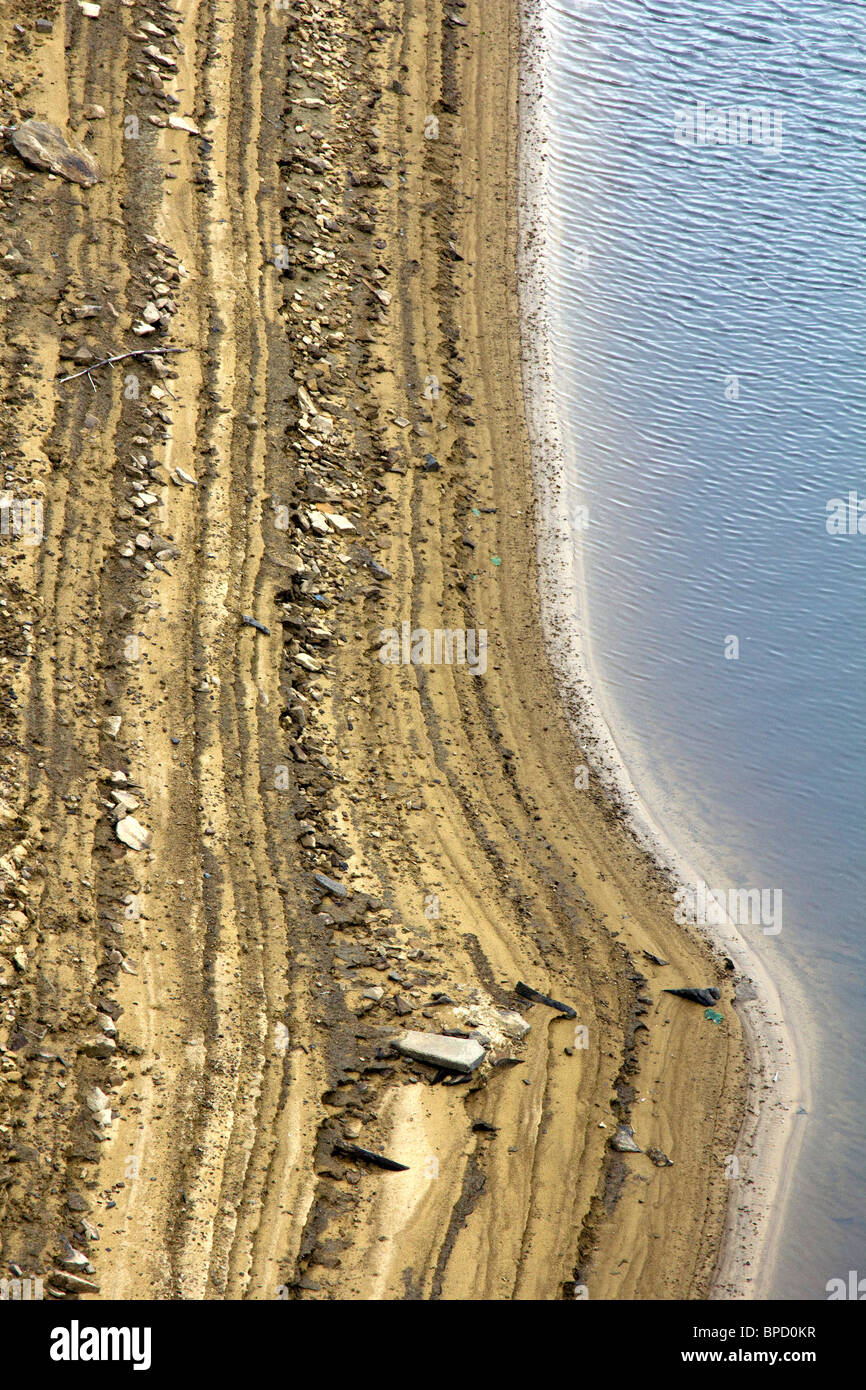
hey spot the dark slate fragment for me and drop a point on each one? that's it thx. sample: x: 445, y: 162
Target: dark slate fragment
x: 527, y: 992
x: 367, y: 1156
x: 707, y: 997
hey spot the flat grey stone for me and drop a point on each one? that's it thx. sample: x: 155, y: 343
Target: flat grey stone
x: 457, y: 1054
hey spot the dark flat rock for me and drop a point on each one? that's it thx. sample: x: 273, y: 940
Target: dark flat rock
x: 527, y: 992
x: 367, y: 1156
x: 708, y: 997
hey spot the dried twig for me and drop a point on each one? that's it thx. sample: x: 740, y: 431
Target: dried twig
x: 109, y: 361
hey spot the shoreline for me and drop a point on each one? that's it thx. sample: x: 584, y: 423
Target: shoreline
x: 752, y: 1225
x: 342, y: 232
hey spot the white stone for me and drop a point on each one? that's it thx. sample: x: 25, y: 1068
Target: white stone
x: 339, y: 523
x: 457, y: 1054
x: 131, y: 833
x: 181, y: 123
x: 307, y: 662
x: 513, y: 1024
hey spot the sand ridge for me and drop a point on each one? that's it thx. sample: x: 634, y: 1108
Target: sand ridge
x: 339, y: 247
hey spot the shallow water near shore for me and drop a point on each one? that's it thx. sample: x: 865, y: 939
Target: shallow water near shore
x: 707, y: 308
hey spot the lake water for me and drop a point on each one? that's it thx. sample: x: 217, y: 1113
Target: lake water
x: 709, y: 305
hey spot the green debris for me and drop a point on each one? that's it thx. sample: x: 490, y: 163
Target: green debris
x: 712, y: 1016
x: 495, y: 560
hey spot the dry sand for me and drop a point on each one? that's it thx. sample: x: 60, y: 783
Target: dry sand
x: 336, y: 254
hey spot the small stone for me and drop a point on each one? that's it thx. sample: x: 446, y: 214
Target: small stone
x: 162, y: 59
x: 660, y: 1159
x: 73, y: 1283
x: 307, y: 662
x: 131, y: 833
x: 74, y: 1257
x: 624, y: 1141
x: 181, y: 123
x: 339, y: 523
x: 513, y: 1024
x: 97, y: 1101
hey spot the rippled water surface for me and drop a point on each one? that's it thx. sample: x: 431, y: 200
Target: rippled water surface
x: 709, y: 308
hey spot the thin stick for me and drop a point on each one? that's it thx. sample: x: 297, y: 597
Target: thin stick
x: 109, y: 361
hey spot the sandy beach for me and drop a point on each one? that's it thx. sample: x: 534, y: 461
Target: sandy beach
x: 318, y: 206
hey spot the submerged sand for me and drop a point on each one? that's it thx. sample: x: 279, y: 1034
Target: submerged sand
x: 336, y: 253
